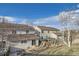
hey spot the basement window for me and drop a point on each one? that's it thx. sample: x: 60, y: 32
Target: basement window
x: 24, y: 41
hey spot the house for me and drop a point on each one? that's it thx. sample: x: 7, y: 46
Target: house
x: 24, y: 36
x: 47, y: 33
x: 23, y: 40
x: 18, y: 35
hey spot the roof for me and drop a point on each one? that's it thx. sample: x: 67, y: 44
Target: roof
x: 13, y: 26
x: 20, y: 37
x: 48, y: 28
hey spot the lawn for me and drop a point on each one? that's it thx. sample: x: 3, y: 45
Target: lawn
x: 62, y: 51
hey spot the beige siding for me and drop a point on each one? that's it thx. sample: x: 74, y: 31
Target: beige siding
x: 37, y: 42
x: 23, y: 45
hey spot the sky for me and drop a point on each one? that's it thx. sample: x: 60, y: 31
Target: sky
x: 35, y: 13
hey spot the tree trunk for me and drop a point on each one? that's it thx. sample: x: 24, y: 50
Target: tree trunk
x: 64, y: 39
x: 68, y: 39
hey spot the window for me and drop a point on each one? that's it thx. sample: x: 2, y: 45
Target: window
x: 14, y: 32
x: 42, y: 37
x: 24, y: 41
x: 42, y: 31
x: 20, y: 32
x: 33, y: 42
x: 27, y: 31
x: 48, y: 31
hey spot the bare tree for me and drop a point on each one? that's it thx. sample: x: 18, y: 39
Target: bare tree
x: 69, y: 20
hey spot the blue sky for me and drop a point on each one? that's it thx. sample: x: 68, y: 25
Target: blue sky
x: 33, y: 11
x: 36, y: 13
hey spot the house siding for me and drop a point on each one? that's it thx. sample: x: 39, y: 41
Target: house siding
x: 20, y: 32
x: 37, y: 42
x: 23, y: 45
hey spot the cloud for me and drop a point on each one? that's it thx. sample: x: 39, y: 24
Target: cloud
x: 8, y: 18
x: 26, y: 21
x: 69, y: 15
x: 15, y: 20
x: 70, y: 18
x: 49, y: 21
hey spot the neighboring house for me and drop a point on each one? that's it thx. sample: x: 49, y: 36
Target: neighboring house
x: 18, y: 35
x: 47, y: 33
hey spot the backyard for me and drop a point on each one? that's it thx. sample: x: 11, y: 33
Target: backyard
x: 62, y: 51
x: 57, y: 51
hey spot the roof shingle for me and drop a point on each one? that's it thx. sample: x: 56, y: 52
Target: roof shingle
x: 20, y: 37
x: 48, y: 28
x: 12, y: 26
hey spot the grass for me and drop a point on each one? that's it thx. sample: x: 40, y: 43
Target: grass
x: 62, y: 51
